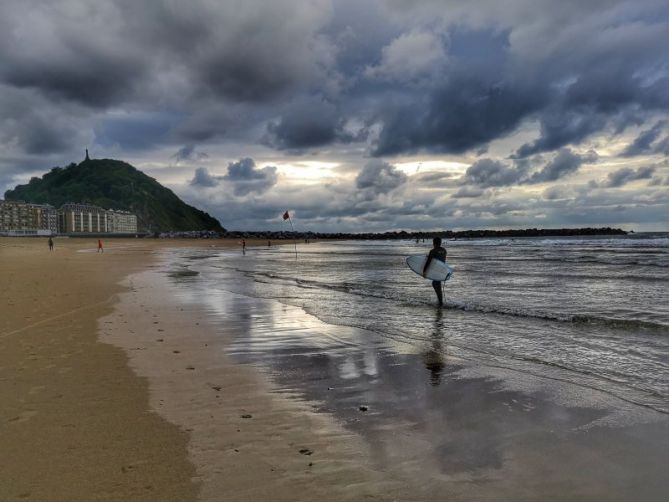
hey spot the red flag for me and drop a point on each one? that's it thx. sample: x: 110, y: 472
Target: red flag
x: 286, y: 215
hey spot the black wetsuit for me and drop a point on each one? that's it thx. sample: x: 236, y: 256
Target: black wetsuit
x: 436, y: 254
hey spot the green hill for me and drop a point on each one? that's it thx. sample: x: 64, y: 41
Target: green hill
x: 113, y: 184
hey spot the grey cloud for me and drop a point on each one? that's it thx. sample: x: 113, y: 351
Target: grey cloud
x: 662, y: 146
x: 560, y: 127
x: 246, y: 178
x: 188, y: 152
x: 468, y: 192
x: 626, y: 175
x: 555, y: 193
x: 565, y: 162
x: 309, y: 123
x: 380, y: 177
x: 411, y: 56
x: 464, y: 113
x: 493, y: 173
x: 88, y: 63
x: 658, y: 181
x: 435, y: 179
x: 141, y: 57
x: 38, y: 127
x: 202, y: 178
x: 138, y: 131
x: 435, y: 176
x: 642, y: 143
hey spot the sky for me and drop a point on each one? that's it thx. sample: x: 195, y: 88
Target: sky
x: 354, y: 115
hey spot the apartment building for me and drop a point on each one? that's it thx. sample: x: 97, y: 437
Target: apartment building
x: 20, y: 218
x: 47, y: 217
x: 121, y: 222
x: 82, y: 218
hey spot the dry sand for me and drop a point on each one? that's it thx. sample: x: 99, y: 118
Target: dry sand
x: 77, y: 423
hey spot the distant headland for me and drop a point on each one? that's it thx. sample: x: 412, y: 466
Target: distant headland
x: 403, y: 235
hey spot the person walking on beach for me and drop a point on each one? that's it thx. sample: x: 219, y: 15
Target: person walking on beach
x: 100, y: 248
x: 436, y: 253
x: 50, y: 244
x: 243, y: 246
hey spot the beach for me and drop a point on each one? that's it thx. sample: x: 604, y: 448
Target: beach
x: 184, y: 370
x: 78, y: 423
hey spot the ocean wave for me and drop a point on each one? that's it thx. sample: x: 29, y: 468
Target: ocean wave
x: 572, y: 260
x: 611, y: 322
x: 630, y: 242
x: 354, y: 289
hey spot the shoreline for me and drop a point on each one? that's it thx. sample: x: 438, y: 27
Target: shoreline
x: 247, y: 441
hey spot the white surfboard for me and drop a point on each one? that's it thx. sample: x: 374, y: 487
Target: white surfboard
x: 437, y: 271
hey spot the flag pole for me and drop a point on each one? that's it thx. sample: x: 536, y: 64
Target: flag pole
x: 286, y: 215
x: 294, y: 237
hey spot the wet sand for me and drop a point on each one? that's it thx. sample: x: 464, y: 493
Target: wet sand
x: 247, y: 441
x: 432, y: 426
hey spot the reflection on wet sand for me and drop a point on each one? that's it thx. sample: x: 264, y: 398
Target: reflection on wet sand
x: 474, y: 431
x: 434, y: 357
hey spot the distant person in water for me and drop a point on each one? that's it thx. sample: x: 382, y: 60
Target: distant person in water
x: 50, y: 244
x: 436, y: 253
x: 100, y: 248
x: 243, y: 246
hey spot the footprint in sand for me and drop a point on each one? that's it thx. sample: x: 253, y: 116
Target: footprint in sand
x: 22, y: 417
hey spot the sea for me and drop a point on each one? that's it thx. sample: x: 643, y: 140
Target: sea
x: 589, y: 312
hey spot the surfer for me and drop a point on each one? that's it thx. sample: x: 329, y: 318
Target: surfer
x: 436, y: 253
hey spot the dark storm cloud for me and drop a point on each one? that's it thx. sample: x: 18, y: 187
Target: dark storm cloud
x: 465, y: 113
x: 38, y: 128
x: 135, y: 131
x: 560, y: 127
x: 626, y: 175
x: 662, y: 146
x: 310, y: 123
x: 493, y: 173
x: 431, y: 77
x: 565, y: 162
x: 74, y: 67
x: 379, y: 177
x: 642, y: 143
x: 246, y: 178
